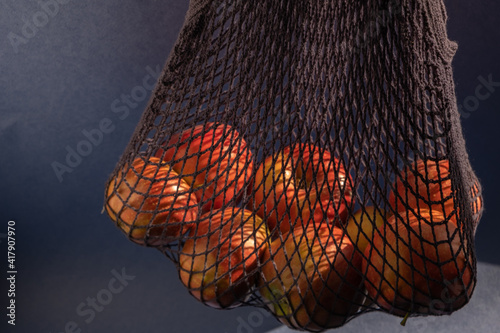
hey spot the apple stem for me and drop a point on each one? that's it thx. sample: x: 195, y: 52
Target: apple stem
x: 281, y: 306
x: 403, y: 322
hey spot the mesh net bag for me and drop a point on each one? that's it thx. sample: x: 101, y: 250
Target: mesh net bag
x: 307, y: 157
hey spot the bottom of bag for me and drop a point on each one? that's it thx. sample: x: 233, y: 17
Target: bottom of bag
x: 479, y: 315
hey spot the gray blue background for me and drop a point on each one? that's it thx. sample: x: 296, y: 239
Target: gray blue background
x: 63, y: 79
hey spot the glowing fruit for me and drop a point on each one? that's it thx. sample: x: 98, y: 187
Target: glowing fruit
x: 218, y: 263
x: 427, y: 185
x: 300, y: 184
x: 214, y: 159
x: 150, y: 203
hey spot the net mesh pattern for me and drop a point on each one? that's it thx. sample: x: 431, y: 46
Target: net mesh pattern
x: 280, y: 134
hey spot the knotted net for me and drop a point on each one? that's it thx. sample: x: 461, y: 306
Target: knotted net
x: 307, y: 157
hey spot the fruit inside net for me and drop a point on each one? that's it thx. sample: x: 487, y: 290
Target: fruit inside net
x: 307, y: 157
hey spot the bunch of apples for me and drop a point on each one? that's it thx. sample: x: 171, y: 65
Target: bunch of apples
x: 416, y: 258
x: 295, y: 239
x: 187, y: 194
x: 310, y: 273
x: 157, y: 200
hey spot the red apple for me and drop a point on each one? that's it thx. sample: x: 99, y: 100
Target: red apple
x: 214, y: 159
x: 418, y: 265
x: 310, y: 280
x: 299, y: 184
x: 427, y: 185
x: 218, y: 263
x: 150, y: 203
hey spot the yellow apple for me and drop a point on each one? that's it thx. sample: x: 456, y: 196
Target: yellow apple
x: 361, y: 227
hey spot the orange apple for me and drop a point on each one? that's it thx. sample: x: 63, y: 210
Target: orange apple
x: 427, y: 185
x: 477, y: 204
x: 361, y: 227
x: 150, y: 203
x: 418, y: 265
x: 299, y: 184
x: 218, y: 263
x: 310, y: 280
x: 214, y: 159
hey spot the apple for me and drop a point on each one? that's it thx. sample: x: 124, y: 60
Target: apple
x: 310, y: 280
x: 477, y: 204
x: 219, y: 261
x: 214, y: 159
x: 362, y: 225
x: 299, y: 184
x: 427, y: 185
x: 150, y: 203
x: 418, y: 265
